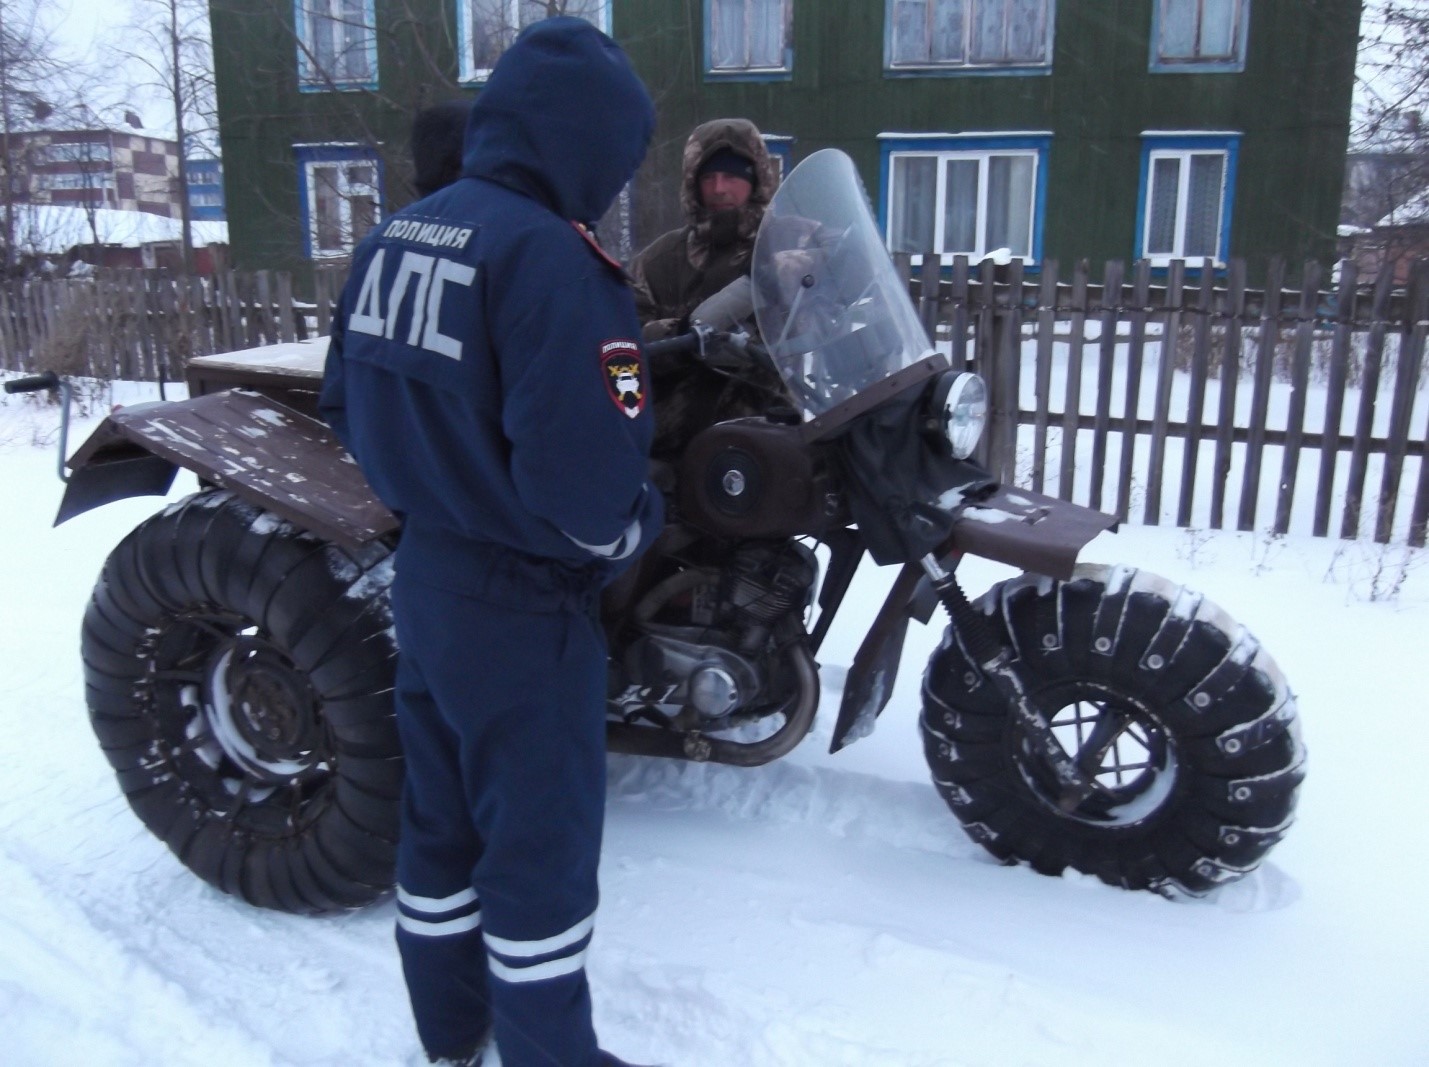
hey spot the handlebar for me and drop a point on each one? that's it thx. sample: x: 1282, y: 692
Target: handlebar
x: 34, y: 383
x: 706, y: 344
x: 685, y: 342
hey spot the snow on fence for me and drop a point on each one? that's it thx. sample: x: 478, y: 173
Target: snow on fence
x: 1182, y: 396
x: 1170, y: 396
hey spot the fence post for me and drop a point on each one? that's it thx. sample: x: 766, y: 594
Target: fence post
x: 1364, y: 421
x: 1007, y: 344
x: 1336, y: 379
x: 1406, y: 382
x: 1260, y: 397
x: 1135, y: 357
x: 1042, y: 389
x: 1072, y: 402
x: 1419, y: 516
x: 1299, y: 385
x: 1165, y: 368
x: 1230, y: 383
x: 1196, y: 401
x: 1112, y: 277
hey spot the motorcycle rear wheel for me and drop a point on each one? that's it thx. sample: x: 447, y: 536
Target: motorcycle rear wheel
x: 239, y: 678
x: 1184, y: 723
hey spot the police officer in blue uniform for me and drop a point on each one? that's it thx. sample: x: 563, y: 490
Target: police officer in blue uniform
x: 486, y: 375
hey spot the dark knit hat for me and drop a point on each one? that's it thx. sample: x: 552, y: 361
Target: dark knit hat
x: 727, y: 161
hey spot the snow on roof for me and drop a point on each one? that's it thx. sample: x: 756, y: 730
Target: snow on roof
x: 54, y: 228
x: 1414, y: 211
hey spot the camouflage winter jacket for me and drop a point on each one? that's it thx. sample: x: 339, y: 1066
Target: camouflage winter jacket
x: 685, y: 266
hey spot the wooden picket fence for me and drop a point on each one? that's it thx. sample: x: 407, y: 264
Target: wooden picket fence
x: 1176, y: 396
x: 144, y: 325
x: 1082, y: 376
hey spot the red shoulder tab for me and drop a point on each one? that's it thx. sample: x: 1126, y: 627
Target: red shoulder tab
x: 605, y: 256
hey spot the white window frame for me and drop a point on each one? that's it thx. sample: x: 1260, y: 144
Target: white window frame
x: 469, y: 72
x: 782, y: 69
x: 1198, y: 62
x: 313, y: 157
x: 311, y: 77
x: 1184, y: 148
x: 893, y: 64
x: 982, y: 149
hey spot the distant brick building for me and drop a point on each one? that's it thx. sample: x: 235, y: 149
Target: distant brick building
x: 95, y: 168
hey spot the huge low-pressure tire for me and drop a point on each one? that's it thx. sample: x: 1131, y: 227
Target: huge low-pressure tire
x: 239, y: 677
x: 1185, y: 723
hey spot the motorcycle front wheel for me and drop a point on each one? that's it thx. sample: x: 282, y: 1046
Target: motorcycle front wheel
x: 1183, y: 723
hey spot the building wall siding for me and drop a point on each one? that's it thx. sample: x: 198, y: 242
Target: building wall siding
x: 1291, y: 105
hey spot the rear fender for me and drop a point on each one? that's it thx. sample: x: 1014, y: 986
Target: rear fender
x: 263, y: 452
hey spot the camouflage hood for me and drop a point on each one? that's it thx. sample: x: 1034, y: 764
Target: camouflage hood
x: 738, y: 135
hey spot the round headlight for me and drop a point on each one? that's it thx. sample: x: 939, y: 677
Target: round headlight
x: 963, y: 412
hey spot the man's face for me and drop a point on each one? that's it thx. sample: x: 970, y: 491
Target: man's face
x: 719, y: 191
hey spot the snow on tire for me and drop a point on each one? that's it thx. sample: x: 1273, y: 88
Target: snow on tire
x: 1184, y: 721
x: 239, y: 678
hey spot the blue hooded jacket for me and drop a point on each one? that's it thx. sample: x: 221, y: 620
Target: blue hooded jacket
x: 484, y: 368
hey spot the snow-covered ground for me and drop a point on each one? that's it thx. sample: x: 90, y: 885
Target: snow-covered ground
x: 824, y: 910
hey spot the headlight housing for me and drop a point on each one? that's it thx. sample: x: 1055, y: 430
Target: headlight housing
x: 959, y: 410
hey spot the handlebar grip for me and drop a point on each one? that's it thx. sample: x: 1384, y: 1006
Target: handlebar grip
x: 34, y: 383
x: 685, y: 342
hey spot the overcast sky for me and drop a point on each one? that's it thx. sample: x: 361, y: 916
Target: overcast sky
x: 81, y: 27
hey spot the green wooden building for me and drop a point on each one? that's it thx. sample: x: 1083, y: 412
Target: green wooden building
x: 1106, y: 129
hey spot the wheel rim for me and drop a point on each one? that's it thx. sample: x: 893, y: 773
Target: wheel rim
x: 1117, y: 742
x: 242, y: 724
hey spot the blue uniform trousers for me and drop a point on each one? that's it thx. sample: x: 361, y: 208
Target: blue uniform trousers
x: 501, y: 715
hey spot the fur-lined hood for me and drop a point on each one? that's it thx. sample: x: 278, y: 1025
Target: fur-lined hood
x: 738, y: 135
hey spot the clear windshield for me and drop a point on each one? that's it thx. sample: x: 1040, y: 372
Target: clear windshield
x: 831, y: 309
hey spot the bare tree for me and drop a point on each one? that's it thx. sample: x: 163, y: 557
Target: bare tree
x: 1392, y: 121
x: 169, y: 40
x: 29, y: 73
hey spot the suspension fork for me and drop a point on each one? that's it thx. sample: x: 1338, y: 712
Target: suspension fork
x: 1000, y: 664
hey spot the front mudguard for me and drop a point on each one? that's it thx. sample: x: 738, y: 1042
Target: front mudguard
x: 1035, y: 533
x: 263, y: 452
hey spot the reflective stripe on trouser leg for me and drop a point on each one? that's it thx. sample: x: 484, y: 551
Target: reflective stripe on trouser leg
x: 525, y: 695
x: 438, y: 912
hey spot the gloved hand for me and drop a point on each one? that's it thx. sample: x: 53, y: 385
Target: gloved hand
x: 728, y: 308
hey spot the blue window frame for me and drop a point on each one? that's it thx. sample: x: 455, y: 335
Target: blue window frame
x: 1186, y: 195
x: 968, y: 36
x: 968, y: 194
x: 486, y: 28
x: 340, y: 191
x: 781, y: 151
x: 1199, y: 36
x: 749, y: 40
x: 337, y: 45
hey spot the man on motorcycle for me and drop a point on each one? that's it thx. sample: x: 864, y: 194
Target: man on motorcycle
x: 484, y: 372
x: 727, y: 182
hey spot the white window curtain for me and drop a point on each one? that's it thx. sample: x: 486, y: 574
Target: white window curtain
x: 748, y: 34
x: 339, y: 42
x: 963, y: 203
x: 489, y: 26
x: 1185, y: 205
x: 1199, y: 30
x: 969, y: 32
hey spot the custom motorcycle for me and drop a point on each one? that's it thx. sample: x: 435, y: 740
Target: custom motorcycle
x: 239, y: 656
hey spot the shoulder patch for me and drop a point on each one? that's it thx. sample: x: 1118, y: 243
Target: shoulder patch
x: 624, y: 377
x: 605, y: 256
